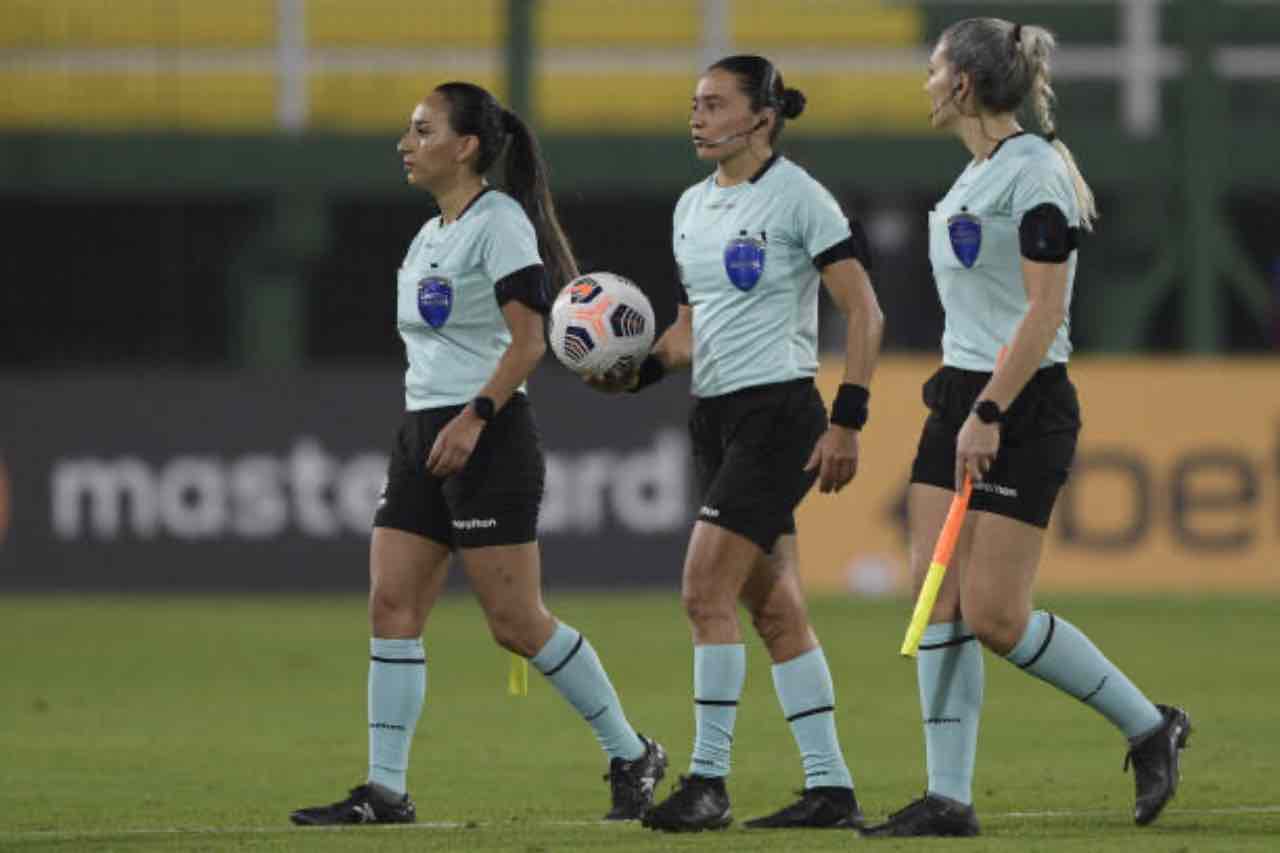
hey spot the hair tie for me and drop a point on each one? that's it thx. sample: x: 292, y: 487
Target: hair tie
x: 1050, y: 137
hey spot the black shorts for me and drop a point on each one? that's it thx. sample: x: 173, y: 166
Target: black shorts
x: 749, y: 451
x: 1037, y: 441
x: 494, y: 500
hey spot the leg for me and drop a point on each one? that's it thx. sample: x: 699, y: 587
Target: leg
x: 949, y: 672
x: 997, y: 596
x: 716, y: 567
x: 802, y: 680
x: 507, y: 579
x: 406, y: 575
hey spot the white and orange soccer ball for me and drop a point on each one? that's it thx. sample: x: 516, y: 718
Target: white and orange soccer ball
x: 601, y: 323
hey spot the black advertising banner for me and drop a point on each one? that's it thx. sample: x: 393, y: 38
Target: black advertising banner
x: 230, y: 481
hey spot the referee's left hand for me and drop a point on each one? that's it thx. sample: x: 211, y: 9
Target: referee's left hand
x: 976, y: 449
x: 836, y: 458
x: 454, y: 443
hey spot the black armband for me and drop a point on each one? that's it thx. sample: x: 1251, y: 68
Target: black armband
x: 651, y: 371
x: 850, y: 408
x: 1044, y: 235
x: 527, y: 286
x: 854, y: 246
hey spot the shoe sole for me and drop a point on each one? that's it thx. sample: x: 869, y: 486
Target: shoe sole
x: 1183, y: 737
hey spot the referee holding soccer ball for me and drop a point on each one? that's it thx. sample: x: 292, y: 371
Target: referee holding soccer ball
x: 467, y: 469
x: 1002, y: 243
x: 752, y: 242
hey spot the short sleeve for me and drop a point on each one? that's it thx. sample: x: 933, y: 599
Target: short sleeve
x: 1044, y: 181
x: 819, y: 221
x: 509, y: 244
x: 682, y: 291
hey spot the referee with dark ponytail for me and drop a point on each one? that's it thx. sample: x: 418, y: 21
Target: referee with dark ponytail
x: 753, y: 243
x: 467, y: 467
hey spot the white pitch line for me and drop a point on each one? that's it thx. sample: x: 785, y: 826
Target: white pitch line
x: 75, y: 835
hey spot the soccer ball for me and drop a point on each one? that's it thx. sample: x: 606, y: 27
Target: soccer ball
x: 601, y: 323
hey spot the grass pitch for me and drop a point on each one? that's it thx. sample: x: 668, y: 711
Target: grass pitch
x: 198, y: 724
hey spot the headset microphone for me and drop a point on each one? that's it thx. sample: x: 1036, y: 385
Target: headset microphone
x: 714, y: 143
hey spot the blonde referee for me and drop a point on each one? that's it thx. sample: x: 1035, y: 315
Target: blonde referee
x: 1002, y: 243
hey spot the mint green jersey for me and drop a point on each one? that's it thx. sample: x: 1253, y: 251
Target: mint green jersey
x: 976, y: 255
x: 446, y: 308
x: 746, y: 260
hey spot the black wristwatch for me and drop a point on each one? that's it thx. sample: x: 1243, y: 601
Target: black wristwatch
x: 988, y: 412
x: 483, y: 407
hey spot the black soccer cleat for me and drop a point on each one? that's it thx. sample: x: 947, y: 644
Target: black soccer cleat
x: 698, y: 803
x: 364, y: 804
x: 817, y: 808
x: 928, y: 816
x: 1155, y: 764
x: 632, y: 783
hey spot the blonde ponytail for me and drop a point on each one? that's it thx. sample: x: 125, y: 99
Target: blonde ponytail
x: 1035, y: 44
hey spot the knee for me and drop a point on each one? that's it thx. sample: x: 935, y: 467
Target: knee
x: 705, y: 605
x: 392, y: 615
x: 997, y: 628
x: 515, y: 629
x: 779, y: 624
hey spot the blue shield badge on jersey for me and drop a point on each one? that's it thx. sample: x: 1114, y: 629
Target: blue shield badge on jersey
x: 965, y: 231
x: 435, y: 300
x: 744, y: 261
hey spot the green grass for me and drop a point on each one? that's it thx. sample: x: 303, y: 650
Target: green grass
x: 147, y: 724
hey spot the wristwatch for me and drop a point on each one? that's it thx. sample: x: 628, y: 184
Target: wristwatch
x: 483, y: 407
x: 988, y: 412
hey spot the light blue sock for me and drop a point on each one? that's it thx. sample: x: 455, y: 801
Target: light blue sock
x: 1054, y: 650
x: 950, y: 674
x: 397, y: 688
x: 808, y: 700
x: 718, y: 674
x: 572, y: 665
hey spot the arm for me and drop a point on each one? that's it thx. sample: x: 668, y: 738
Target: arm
x: 850, y: 289
x: 675, y: 348
x: 454, y: 444
x: 836, y: 453
x: 1046, y: 288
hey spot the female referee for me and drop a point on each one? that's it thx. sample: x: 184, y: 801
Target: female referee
x: 752, y: 241
x: 466, y: 470
x: 1002, y: 245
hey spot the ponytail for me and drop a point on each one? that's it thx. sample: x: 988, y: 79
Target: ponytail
x: 525, y: 180
x: 1009, y: 64
x: 1034, y: 44
x: 473, y: 111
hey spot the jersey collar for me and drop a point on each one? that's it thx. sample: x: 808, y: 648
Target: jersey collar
x: 768, y: 164
x: 471, y: 204
x: 1001, y: 143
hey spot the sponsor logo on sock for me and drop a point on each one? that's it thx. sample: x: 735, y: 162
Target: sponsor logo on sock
x: 474, y: 523
x: 391, y: 726
x: 709, y: 512
x: 940, y: 720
